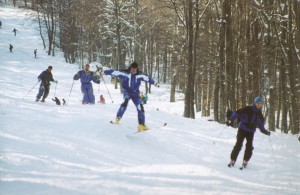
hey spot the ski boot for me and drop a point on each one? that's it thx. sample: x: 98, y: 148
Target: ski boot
x: 231, y: 163
x: 43, y: 100
x: 36, y: 100
x: 117, y: 121
x: 245, y: 163
x: 142, y: 128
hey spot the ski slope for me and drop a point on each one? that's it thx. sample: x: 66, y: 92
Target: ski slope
x: 50, y: 149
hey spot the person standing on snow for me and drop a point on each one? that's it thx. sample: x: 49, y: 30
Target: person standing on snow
x: 46, y: 76
x: 250, y: 117
x: 86, y: 76
x: 102, y: 99
x: 10, y: 47
x: 131, y: 81
x: 15, y: 31
x: 35, y: 52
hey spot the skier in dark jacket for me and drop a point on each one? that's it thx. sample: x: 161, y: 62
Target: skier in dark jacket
x: 35, y: 52
x: 15, y: 31
x: 86, y: 76
x: 45, y: 77
x: 250, y: 117
x: 11, y: 47
x: 131, y: 81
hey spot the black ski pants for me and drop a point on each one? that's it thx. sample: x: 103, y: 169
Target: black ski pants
x: 241, y: 135
x: 43, y: 91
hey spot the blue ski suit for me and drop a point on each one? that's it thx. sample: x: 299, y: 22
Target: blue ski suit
x: 250, y: 118
x: 86, y: 86
x: 131, y: 84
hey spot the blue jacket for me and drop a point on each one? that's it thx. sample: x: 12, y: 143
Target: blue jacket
x: 130, y: 82
x: 86, y: 77
x: 249, y: 118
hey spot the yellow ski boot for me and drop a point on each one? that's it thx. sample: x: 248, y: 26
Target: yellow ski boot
x: 142, y: 128
x: 117, y: 121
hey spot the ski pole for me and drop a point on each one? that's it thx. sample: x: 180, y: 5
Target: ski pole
x: 55, y: 89
x: 273, y: 152
x: 70, y: 93
x: 107, y: 88
x: 220, y: 133
x: 98, y: 70
x: 31, y: 89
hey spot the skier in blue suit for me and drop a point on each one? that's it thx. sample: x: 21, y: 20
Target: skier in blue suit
x: 250, y: 117
x: 131, y: 81
x: 86, y: 76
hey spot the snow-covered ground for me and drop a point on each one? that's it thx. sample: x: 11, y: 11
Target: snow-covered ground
x: 50, y: 149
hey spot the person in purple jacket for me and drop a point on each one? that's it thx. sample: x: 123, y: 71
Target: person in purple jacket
x: 250, y: 117
x: 131, y: 81
x: 86, y: 76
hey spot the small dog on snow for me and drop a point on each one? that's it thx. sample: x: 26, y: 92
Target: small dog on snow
x: 56, y: 100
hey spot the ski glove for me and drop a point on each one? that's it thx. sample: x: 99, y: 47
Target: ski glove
x: 98, y: 82
x: 108, y: 72
x: 56, y: 82
x: 267, y: 133
x: 229, y: 123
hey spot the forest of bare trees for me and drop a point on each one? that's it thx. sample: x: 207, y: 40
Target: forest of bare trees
x: 220, y: 53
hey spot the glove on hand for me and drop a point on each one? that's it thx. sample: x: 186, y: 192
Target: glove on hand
x: 229, y: 123
x: 56, y: 81
x: 98, y: 81
x: 106, y: 72
x: 267, y: 133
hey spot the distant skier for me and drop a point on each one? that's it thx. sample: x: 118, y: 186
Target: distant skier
x: 250, y: 117
x: 45, y: 77
x: 102, y: 100
x: 15, y: 31
x: 11, y: 47
x: 35, y: 52
x: 86, y: 76
x: 0, y: 24
x: 131, y: 81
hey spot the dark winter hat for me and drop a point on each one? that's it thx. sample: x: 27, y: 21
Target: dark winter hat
x: 87, y: 65
x: 50, y: 67
x: 258, y: 100
x: 133, y: 65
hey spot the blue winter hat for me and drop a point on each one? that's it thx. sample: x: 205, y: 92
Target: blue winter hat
x: 258, y: 99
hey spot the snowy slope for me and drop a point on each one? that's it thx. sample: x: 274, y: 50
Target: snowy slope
x: 49, y: 149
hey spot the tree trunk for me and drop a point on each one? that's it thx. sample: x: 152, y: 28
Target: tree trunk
x: 40, y: 27
x: 189, y: 92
